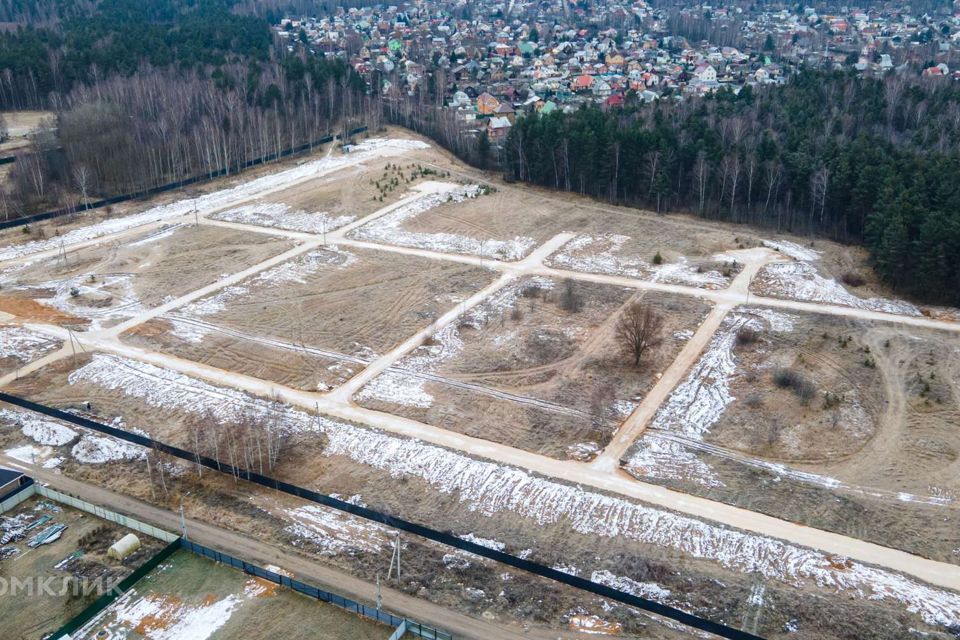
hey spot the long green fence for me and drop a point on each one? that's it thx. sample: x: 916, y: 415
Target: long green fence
x: 104, y: 601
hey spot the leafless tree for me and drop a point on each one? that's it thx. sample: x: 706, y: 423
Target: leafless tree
x: 638, y: 330
x: 81, y: 176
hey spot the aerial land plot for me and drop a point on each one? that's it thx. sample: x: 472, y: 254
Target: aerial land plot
x: 189, y: 596
x: 314, y: 320
x: 98, y: 286
x: 336, y: 199
x: 536, y: 366
x: 649, y: 551
x: 506, y: 224
x: 844, y: 424
x: 69, y: 562
x: 20, y: 124
x: 825, y: 272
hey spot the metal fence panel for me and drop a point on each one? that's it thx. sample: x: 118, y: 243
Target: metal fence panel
x: 314, y: 592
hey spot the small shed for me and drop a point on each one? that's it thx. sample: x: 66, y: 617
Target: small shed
x: 122, y: 548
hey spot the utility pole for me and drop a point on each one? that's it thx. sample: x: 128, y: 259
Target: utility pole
x: 395, y: 559
x: 196, y: 215
x: 183, y: 521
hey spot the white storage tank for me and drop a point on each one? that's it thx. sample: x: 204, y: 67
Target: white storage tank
x: 123, y: 547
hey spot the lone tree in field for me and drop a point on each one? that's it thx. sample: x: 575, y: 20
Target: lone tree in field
x: 638, y: 329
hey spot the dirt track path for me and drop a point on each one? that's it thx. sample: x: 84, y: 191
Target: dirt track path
x: 247, y: 547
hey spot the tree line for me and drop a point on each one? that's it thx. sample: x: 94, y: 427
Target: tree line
x: 217, y: 92
x: 871, y: 161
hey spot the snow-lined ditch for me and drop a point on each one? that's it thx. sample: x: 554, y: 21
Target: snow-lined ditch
x: 398, y: 387
x: 489, y: 488
x: 277, y: 215
x: 799, y: 280
x: 601, y: 254
x: 25, y: 346
x: 367, y: 150
x: 388, y: 229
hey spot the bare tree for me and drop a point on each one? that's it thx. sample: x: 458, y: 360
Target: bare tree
x: 638, y: 330
x: 81, y: 176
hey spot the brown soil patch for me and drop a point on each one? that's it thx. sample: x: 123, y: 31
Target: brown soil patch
x: 29, y: 310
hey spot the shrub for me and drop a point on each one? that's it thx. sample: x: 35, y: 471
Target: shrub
x: 796, y: 382
x: 570, y: 300
x: 853, y: 279
x: 657, y: 258
x: 747, y: 335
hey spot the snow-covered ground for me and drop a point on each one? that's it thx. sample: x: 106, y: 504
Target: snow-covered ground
x: 601, y: 254
x: 278, y: 215
x: 245, y: 190
x: 388, y: 229
x: 39, y: 428
x: 162, y: 617
x: 398, y: 386
x: 104, y: 299
x: 793, y: 250
x: 25, y: 346
x: 335, y: 532
x: 488, y: 488
x: 799, y: 280
x: 96, y: 449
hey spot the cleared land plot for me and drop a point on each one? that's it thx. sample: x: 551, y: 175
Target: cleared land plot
x: 70, y: 564
x: 650, y: 551
x: 843, y: 424
x: 217, y: 195
x: 536, y: 366
x: 105, y: 284
x: 332, y: 201
x: 507, y: 224
x: 191, y: 597
x: 313, y: 321
x: 826, y: 272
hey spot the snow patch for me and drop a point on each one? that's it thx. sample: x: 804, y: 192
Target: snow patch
x: 800, y: 281
x: 25, y: 346
x: 600, y: 254
x: 278, y: 215
x: 792, y: 250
